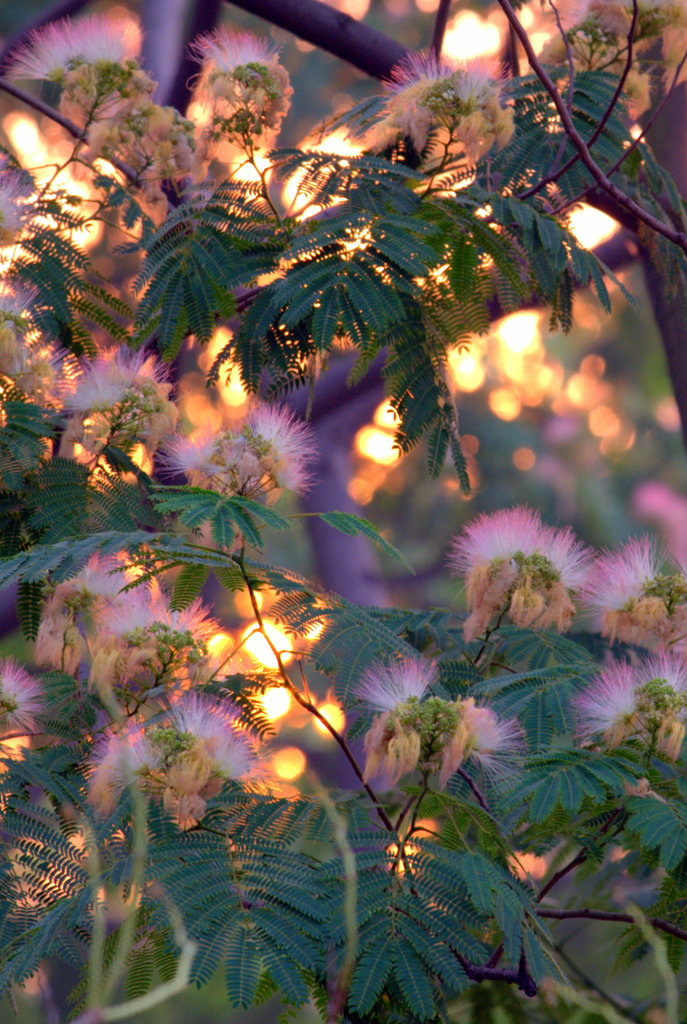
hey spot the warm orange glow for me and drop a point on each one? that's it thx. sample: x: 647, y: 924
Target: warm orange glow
x: 198, y: 408
x: 244, y: 605
x: 603, y: 422
x: 385, y: 416
x: 591, y: 227
x: 219, y: 644
x: 140, y: 458
x: 466, y: 370
x: 519, y: 332
x: 468, y: 35
x: 504, y: 403
x: 276, y: 701
x: 289, y: 763
x: 256, y: 644
x: 528, y: 865
x: 584, y: 391
x: 377, y: 445
x: 427, y: 6
x: 470, y: 444
x: 334, y: 715
x: 593, y: 365
x: 299, y: 205
x: 353, y: 8
x: 524, y: 458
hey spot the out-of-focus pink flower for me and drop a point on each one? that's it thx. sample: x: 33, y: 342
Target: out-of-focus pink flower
x: 51, y: 51
x: 21, y: 697
x: 668, y: 509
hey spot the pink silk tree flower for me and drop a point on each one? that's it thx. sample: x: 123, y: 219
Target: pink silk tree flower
x: 515, y: 565
x: 647, y: 701
x: 184, y: 760
x: 269, y: 453
x: 634, y: 601
x: 460, y: 101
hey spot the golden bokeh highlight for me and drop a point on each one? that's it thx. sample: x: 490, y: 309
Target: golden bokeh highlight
x: 276, y: 702
x: 334, y: 715
x: 505, y: 403
x: 591, y: 227
x: 468, y: 35
x: 377, y: 445
x: 257, y: 645
x: 466, y: 370
x: 289, y: 763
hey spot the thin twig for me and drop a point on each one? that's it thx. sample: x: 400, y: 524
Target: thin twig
x: 586, y: 914
x: 44, y: 108
x: 678, y: 238
x: 308, y: 705
x: 479, y: 795
x: 558, y: 172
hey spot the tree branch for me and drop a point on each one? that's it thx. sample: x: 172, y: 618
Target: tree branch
x: 607, y: 915
x: 439, y: 28
x: 679, y: 238
x: 333, y: 31
x: 54, y: 115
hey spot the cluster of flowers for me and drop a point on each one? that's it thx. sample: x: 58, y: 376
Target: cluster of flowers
x: 33, y: 365
x: 105, y: 92
x: 420, y: 731
x: 177, y: 744
x: 243, y: 85
x: 537, y: 576
x: 269, y: 453
x: 456, y: 105
x: 597, y: 38
x: 15, y: 204
x: 132, y: 640
x: 120, y: 398
x: 184, y: 757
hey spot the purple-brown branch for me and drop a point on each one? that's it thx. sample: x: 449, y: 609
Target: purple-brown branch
x: 439, y: 30
x: 333, y: 31
x: 679, y: 238
x: 587, y: 914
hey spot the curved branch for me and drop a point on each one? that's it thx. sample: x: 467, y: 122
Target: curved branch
x: 679, y: 238
x: 587, y: 914
x: 44, y: 108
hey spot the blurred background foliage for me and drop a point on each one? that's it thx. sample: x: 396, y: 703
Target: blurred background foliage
x: 582, y: 426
